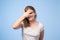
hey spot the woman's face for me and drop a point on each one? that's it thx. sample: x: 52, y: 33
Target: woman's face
x: 32, y: 15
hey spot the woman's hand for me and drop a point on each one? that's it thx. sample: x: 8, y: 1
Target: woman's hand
x: 26, y: 14
x: 18, y: 23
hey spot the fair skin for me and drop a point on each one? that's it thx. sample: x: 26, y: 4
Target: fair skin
x: 33, y: 23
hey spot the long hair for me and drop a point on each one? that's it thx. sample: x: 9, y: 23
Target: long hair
x: 26, y: 21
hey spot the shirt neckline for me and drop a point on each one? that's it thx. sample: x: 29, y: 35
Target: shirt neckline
x: 35, y: 27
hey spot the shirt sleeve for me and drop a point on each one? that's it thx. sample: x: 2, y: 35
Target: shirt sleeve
x: 41, y: 27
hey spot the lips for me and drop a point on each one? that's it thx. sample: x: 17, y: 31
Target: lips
x: 29, y: 16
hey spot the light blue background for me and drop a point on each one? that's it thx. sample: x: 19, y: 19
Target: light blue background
x: 48, y: 12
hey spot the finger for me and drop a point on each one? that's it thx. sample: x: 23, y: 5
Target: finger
x: 29, y: 11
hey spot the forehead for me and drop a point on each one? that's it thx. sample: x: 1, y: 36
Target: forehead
x: 31, y: 10
x: 28, y: 9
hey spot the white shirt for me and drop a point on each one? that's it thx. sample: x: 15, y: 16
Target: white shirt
x: 32, y: 34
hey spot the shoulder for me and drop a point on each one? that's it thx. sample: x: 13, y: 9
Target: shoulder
x: 41, y: 26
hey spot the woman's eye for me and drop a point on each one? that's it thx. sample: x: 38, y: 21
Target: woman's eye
x: 30, y: 13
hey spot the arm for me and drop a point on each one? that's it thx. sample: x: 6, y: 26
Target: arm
x: 18, y: 23
x: 41, y: 35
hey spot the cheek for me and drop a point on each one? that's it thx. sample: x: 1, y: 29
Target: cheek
x: 33, y: 16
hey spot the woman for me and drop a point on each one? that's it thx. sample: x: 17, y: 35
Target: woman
x: 32, y: 30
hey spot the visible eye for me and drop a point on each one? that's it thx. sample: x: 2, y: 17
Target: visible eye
x: 31, y: 13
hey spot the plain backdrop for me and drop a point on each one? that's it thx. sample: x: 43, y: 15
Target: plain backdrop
x: 48, y: 13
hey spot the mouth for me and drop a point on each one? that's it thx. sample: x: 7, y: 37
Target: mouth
x: 30, y: 17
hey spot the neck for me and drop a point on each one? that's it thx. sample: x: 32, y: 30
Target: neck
x: 31, y: 22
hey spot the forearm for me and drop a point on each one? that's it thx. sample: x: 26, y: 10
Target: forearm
x: 18, y: 22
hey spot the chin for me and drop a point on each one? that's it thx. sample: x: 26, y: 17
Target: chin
x: 30, y: 19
